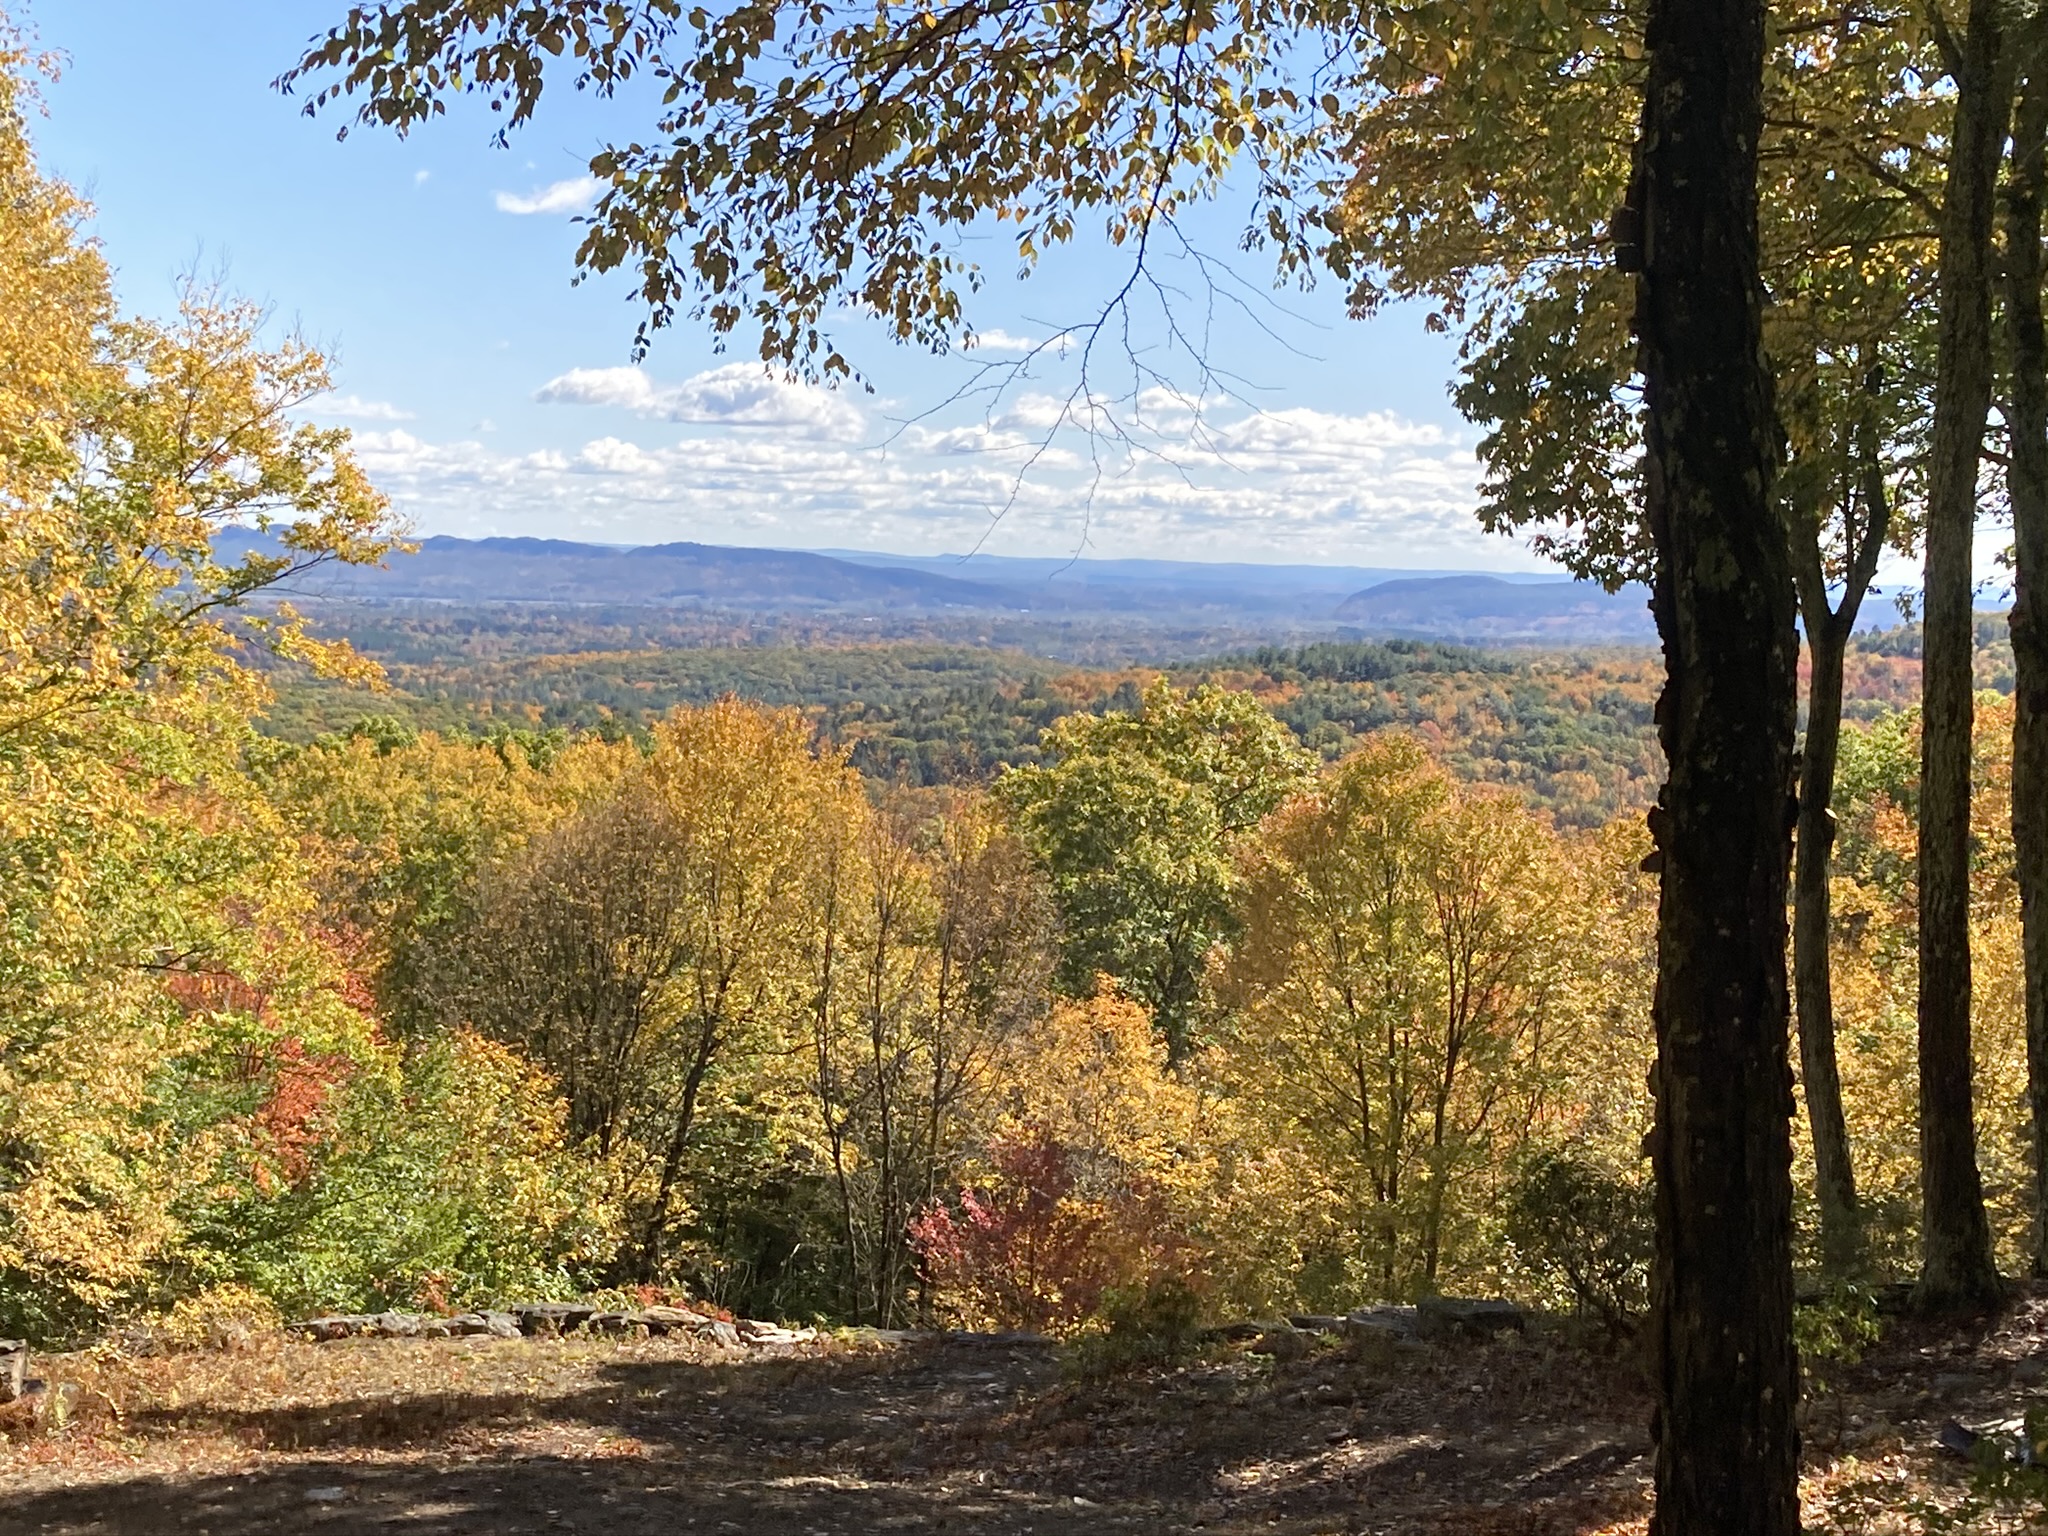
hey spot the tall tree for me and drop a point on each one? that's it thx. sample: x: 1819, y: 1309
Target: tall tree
x: 1394, y: 1000
x: 1850, y: 268
x: 158, y: 974
x: 926, y: 972
x: 1956, y: 1263
x: 2027, y: 487
x: 1866, y: 517
x: 1458, y: 199
x: 1727, y: 1442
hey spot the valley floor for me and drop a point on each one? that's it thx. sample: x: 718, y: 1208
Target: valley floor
x: 465, y: 1437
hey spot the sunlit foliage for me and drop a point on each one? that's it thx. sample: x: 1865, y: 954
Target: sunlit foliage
x: 1136, y: 819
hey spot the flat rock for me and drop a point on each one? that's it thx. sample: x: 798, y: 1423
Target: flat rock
x: 1382, y: 1322
x: 321, y: 1330
x: 670, y: 1320
x: 1316, y: 1322
x: 536, y: 1317
x: 552, y: 1318
x: 1446, y: 1317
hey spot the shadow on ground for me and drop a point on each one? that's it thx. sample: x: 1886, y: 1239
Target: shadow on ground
x: 1478, y: 1440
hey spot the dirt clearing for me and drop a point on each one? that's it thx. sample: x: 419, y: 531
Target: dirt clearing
x: 631, y: 1438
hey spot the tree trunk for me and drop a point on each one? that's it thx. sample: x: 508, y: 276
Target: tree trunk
x: 2027, y: 485
x: 1865, y: 504
x: 651, y: 1252
x: 1827, y: 638
x: 1727, y: 1377
x: 1956, y: 1263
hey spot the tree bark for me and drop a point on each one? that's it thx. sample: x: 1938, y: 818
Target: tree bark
x: 1957, y: 1271
x: 1866, y: 522
x: 2027, y: 486
x: 1727, y: 1442
x: 1820, y: 1077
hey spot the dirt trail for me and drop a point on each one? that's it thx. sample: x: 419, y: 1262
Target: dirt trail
x: 630, y: 1439
x: 476, y: 1437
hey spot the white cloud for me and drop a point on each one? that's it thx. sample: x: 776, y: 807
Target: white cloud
x: 571, y: 196
x: 419, y: 178
x: 1002, y: 341
x: 356, y: 408
x: 625, y: 388
x: 1035, y: 415
x: 1303, y: 485
x: 611, y: 456
x: 736, y: 395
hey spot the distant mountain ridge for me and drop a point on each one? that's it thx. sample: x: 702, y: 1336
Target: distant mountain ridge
x: 564, y: 571
x: 1475, y: 607
x: 1364, y: 601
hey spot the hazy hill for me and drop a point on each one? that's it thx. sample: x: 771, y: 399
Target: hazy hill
x: 1472, y: 607
x: 1310, y: 592
x: 1280, y: 599
x: 561, y: 571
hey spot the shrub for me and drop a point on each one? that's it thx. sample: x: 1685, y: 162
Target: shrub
x: 447, y: 1183
x: 1153, y: 1324
x: 222, y: 1317
x: 1029, y: 1248
x: 1587, y: 1232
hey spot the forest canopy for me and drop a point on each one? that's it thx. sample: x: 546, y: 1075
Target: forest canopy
x: 868, y: 983
x: 913, y: 983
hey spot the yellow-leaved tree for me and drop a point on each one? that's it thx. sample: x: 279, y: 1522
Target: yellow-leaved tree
x: 650, y: 946
x: 190, y: 1064
x: 1876, y: 900
x: 932, y: 944
x: 1398, y: 996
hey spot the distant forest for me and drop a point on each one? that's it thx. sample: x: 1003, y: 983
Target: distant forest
x: 919, y: 703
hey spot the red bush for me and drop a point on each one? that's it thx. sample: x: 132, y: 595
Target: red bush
x: 1026, y: 1251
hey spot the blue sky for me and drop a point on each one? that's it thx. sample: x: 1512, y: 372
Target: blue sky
x: 491, y: 396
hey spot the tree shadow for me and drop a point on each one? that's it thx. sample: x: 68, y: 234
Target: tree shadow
x: 943, y: 1437
x: 537, y: 1494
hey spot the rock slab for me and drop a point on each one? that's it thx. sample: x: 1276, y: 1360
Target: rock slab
x: 1381, y: 1323
x: 545, y: 1319
x: 1448, y: 1317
